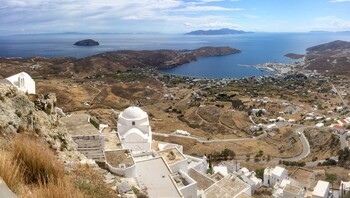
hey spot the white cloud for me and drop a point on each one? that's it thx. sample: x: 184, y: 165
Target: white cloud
x: 109, y: 15
x: 339, y: 1
x: 214, y: 24
x: 331, y: 23
x: 206, y: 8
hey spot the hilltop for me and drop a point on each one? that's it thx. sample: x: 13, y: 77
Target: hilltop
x: 222, y: 31
x: 330, y: 57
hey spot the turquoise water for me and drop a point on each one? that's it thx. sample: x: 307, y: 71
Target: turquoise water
x: 256, y: 48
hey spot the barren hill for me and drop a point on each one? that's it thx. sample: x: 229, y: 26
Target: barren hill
x: 333, y: 57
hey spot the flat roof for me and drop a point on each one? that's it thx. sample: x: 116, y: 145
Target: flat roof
x: 228, y: 187
x: 292, y: 189
x: 171, y: 156
x: 155, y: 176
x: 78, y: 124
x: 217, y: 176
x: 203, y: 181
x: 321, y: 188
x: 243, y: 195
x: 180, y: 181
x: 303, y: 175
x: 116, y: 157
x: 278, y: 170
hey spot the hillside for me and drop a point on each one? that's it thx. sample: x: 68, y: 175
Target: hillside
x: 222, y: 31
x: 34, y: 114
x: 108, y: 62
x: 333, y: 57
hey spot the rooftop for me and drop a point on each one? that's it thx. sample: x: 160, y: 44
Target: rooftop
x: 243, y: 195
x: 116, y: 157
x: 180, y: 180
x: 171, y: 156
x: 133, y: 112
x: 278, y: 170
x: 158, y: 183
x: 321, y: 188
x: 202, y: 180
x: 228, y: 187
x: 217, y: 176
x: 292, y: 189
x: 78, y: 124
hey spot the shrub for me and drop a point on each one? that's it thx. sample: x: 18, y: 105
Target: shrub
x: 37, y: 161
x: 10, y: 171
x: 91, y: 183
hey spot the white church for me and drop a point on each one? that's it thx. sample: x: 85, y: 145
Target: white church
x: 22, y: 81
x: 161, y: 167
x: 134, y: 130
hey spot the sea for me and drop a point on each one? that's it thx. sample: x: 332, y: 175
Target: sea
x: 257, y: 48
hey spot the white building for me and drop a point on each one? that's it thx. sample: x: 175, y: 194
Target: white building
x: 274, y: 175
x: 344, y: 189
x: 250, y: 178
x: 22, y: 81
x: 286, y: 189
x: 321, y: 190
x: 134, y: 130
x: 221, y: 169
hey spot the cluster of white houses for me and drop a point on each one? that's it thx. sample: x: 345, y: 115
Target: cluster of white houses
x: 161, y: 167
x: 163, y: 170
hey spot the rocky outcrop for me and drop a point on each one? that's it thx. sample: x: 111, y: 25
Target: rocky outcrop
x: 19, y: 114
x: 87, y: 42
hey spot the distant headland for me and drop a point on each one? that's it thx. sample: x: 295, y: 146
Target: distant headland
x: 222, y: 31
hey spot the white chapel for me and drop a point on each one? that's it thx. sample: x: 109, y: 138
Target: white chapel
x: 22, y: 81
x: 134, y: 130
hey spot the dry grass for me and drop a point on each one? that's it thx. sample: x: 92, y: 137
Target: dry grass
x: 10, y: 171
x: 91, y: 183
x: 60, y: 188
x: 37, y: 161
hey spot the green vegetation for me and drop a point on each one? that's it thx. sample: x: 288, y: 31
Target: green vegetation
x: 225, y: 154
x: 328, y: 162
x: 288, y: 163
x: 260, y: 173
x: 95, y: 123
x: 331, y: 177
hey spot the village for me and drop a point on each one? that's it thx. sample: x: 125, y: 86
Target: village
x: 143, y: 154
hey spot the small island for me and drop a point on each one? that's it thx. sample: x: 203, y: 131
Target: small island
x: 86, y: 42
x: 294, y: 56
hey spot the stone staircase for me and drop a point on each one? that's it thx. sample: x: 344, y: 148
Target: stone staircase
x: 90, y: 146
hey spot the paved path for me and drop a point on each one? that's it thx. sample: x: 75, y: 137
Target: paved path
x: 304, y: 142
x: 300, y: 130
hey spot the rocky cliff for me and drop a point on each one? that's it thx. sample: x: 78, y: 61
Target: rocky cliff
x: 34, y: 114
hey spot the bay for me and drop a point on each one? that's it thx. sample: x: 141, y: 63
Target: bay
x: 257, y: 48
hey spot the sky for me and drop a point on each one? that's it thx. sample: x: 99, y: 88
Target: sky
x: 171, y: 16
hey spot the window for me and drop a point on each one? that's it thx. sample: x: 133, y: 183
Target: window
x: 133, y: 123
